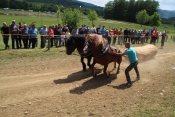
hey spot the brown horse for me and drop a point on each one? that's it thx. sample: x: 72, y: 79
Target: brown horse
x: 103, y: 53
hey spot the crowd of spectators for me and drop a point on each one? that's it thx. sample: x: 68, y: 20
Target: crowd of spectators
x: 24, y: 36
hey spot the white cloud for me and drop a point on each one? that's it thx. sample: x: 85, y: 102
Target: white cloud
x: 164, y: 4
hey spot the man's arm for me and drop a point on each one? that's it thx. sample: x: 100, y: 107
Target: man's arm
x: 120, y: 54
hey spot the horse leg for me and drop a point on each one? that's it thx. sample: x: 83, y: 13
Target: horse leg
x: 118, y: 69
x: 93, y: 71
x: 89, y: 61
x: 83, y: 64
x: 105, y: 69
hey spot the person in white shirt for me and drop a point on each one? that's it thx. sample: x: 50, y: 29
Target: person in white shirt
x: 93, y: 30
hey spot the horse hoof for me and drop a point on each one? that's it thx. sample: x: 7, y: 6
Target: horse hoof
x: 118, y: 72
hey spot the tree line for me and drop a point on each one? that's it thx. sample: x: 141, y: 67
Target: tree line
x: 127, y: 10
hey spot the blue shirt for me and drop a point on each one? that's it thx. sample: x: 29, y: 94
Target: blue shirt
x: 131, y: 52
x: 25, y: 32
x: 103, y: 31
x: 13, y: 27
x: 33, y: 32
x: 43, y: 31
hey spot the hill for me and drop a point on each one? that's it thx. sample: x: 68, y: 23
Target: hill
x: 71, y: 3
x: 166, y: 13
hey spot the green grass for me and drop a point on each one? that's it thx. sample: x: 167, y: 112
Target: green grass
x: 50, y: 20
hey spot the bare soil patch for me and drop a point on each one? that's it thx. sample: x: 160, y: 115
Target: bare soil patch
x: 59, y: 88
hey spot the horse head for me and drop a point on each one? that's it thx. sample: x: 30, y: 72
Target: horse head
x: 70, y: 45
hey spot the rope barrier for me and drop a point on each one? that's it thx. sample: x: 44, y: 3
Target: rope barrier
x: 69, y: 35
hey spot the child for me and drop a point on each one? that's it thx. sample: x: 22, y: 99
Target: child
x: 63, y: 36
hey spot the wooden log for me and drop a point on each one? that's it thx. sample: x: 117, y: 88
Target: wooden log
x: 146, y: 52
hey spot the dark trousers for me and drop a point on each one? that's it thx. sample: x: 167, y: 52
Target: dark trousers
x: 51, y: 42
x: 20, y: 41
x: 153, y: 40
x: 33, y: 41
x: 5, y: 40
x: 126, y: 39
x: 56, y: 41
x: 129, y: 68
x: 162, y: 41
x: 25, y: 42
x: 43, y: 41
x: 15, y: 39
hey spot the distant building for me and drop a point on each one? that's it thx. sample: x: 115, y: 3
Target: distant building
x: 6, y: 8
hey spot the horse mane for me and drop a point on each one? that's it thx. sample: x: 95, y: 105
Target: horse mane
x: 79, y: 40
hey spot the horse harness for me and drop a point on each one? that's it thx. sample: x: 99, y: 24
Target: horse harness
x: 103, y: 51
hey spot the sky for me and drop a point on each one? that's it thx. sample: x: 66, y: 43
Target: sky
x: 164, y: 4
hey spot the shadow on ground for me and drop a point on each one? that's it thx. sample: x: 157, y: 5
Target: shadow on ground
x: 94, y: 83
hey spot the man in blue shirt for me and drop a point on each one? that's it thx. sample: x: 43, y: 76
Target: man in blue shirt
x: 33, y: 36
x: 103, y: 31
x: 131, y: 52
x: 13, y: 29
x: 25, y: 36
x: 43, y: 33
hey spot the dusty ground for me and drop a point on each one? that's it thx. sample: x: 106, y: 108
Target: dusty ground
x: 59, y: 88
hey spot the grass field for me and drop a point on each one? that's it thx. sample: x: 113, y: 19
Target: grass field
x: 40, y: 20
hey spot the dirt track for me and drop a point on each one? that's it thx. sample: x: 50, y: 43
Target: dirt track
x: 60, y: 88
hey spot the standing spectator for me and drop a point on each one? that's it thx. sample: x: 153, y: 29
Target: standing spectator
x: 115, y: 32
x: 120, y: 36
x: 43, y: 34
x: 107, y: 37
x: 147, y: 36
x: 25, y: 35
x: 154, y: 36
x: 126, y: 33
x: 65, y: 29
x: 5, y: 34
x: 163, y: 39
x: 59, y: 32
x: 151, y: 34
x: 51, y: 34
x: 99, y: 30
x: 19, y: 36
x: 93, y: 30
x: 82, y: 30
x: 114, y: 39
x: 103, y: 31
x: 33, y: 35
x: 75, y: 31
x: 13, y: 29
x: 135, y: 36
x: 88, y: 30
x: 63, y: 37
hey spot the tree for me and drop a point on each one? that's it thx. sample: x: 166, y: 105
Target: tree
x: 58, y: 12
x: 92, y: 16
x: 155, y: 19
x: 142, y: 17
x: 71, y: 17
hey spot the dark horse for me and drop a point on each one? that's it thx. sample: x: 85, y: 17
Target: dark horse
x: 102, y: 52
x: 77, y: 41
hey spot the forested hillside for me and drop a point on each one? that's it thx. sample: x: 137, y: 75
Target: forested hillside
x: 49, y: 5
x: 127, y: 10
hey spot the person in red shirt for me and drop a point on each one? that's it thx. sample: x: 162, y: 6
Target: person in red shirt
x: 154, y: 36
x: 51, y: 34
